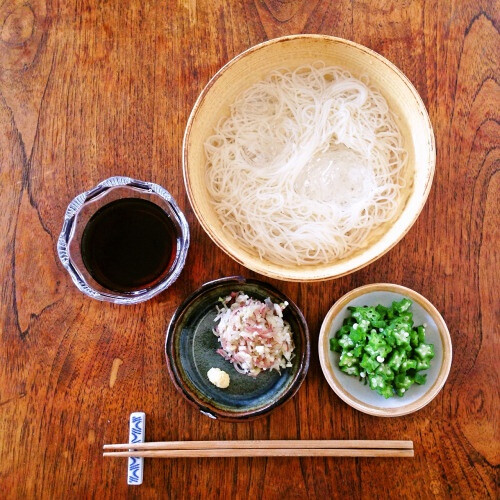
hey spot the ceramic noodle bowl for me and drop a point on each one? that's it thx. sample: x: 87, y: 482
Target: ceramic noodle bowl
x: 291, y: 52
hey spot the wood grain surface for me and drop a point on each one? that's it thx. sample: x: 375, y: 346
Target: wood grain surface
x: 94, y: 89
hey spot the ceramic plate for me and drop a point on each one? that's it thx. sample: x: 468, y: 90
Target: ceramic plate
x: 191, y: 351
x: 360, y: 396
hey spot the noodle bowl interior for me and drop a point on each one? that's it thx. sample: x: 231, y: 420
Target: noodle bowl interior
x: 307, y: 166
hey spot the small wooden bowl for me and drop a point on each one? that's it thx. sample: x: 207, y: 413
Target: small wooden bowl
x: 360, y: 396
x: 292, y: 51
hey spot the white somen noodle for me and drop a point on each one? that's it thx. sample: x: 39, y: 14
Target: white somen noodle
x: 306, y: 166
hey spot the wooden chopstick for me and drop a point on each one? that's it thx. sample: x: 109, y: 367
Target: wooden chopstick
x: 263, y: 444
x: 263, y: 448
x: 265, y: 452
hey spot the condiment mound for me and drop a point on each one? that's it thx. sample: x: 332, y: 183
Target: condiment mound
x: 253, y: 335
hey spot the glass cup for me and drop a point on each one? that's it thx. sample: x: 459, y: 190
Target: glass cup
x: 81, y: 210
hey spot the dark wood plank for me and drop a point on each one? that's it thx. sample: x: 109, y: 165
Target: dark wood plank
x: 89, y: 90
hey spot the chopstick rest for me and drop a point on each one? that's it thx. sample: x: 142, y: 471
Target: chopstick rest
x: 137, y: 434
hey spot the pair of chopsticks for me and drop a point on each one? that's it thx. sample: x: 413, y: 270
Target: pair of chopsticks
x: 263, y: 448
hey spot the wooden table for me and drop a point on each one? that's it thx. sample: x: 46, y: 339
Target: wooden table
x: 93, y: 89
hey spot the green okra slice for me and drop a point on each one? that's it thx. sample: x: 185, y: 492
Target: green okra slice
x: 347, y: 359
x: 408, y: 364
x: 334, y: 345
x: 385, y: 372
x: 345, y: 342
x: 369, y: 364
x: 396, y: 358
x: 425, y: 351
x: 350, y: 370
x: 420, y: 379
x: 402, y: 306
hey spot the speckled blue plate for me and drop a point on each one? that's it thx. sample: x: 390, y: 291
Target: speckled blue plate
x: 191, y: 351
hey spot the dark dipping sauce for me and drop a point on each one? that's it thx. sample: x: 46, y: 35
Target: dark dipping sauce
x: 129, y: 245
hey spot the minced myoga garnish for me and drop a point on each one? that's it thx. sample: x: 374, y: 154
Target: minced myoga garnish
x: 253, y: 334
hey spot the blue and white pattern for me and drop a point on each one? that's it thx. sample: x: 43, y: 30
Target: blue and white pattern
x: 137, y: 434
x: 136, y: 428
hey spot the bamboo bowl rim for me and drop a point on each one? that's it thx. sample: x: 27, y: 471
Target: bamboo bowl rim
x: 335, y: 383
x: 393, y: 232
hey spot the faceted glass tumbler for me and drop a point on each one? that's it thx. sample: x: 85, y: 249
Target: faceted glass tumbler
x: 81, y: 210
